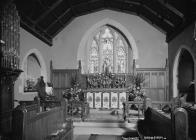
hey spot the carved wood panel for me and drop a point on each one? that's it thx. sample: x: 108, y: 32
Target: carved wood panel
x: 155, y: 83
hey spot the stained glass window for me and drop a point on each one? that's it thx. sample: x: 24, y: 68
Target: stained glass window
x: 121, y: 57
x: 107, y: 52
x: 94, y: 58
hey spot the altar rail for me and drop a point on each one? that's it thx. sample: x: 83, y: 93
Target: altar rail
x: 141, y: 106
x: 28, y: 124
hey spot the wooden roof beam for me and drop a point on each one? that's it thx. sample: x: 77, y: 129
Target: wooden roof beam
x: 42, y: 37
x: 159, y: 22
x: 49, y: 9
x: 58, y: 19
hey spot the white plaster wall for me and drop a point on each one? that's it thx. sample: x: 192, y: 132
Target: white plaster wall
x: 30, y: 44
x: 151, y: 44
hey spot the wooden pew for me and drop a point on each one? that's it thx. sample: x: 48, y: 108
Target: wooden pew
x: 191, y: 122
x: 155, y: 124
x: 29, y: 124
x: 180, y: 124
x: 173, y: 126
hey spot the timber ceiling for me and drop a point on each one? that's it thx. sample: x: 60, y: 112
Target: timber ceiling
x: 46, y: 18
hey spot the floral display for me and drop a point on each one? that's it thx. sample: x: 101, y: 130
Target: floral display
x: 135, y: 90
x: 106, y: 80
x: 29, y: 85
x: 74, y: 94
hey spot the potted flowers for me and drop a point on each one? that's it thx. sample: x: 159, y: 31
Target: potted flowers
x: 134, y: 90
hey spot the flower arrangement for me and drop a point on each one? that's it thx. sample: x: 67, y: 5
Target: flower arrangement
x: 135, y: 90
x: 74, y: 93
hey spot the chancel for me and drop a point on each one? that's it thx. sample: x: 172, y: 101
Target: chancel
x: 97, y: 69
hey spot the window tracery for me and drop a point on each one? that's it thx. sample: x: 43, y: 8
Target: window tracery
x: 107, y: 52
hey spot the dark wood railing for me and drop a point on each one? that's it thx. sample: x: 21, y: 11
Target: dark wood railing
x: 191, y: 122
x: 139, y: 106
x: 176, y: 124
x: 30, y: 124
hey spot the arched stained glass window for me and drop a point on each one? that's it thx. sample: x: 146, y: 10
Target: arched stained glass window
x: 120, y: 57
x: 107, y: 52
x: 94, y: 58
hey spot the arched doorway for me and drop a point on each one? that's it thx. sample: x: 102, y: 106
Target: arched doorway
x: 183, y: 75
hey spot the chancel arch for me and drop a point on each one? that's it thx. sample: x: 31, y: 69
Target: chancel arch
x: 130, y: 47
x: 183, y: 74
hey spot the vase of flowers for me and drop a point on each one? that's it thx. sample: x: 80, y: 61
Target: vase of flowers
x: 135, y: 90
x: 74, y: 93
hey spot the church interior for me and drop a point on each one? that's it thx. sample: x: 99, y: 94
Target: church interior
x: 98, y: 69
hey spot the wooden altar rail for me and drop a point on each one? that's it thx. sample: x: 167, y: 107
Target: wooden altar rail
x: 78, y: 109
x: 28, y: 124
x: 127, y: 106
x: 143, y: 105
x: 160, y: 104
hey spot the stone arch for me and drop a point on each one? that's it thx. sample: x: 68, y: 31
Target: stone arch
x: 39, y: 56
x: 182, y: 48
x: 107, y: 21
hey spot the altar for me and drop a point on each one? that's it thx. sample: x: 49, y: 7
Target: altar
x: 106, y: 90
x: 106, y: 98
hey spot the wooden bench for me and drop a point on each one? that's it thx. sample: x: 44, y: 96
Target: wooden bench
x: 155, y: 124
x: 29, y: 124
x: 191, y: 122
x: 160, y: 124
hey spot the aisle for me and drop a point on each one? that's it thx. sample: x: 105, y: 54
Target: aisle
x: 105, y: 115
x: 83, y: 130
x: 111, y: 115
x: 103, y: 122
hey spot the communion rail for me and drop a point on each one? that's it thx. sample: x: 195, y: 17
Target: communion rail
x: 141, y: 106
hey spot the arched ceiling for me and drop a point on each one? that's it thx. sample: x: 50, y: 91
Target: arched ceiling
x: 46, y: 18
